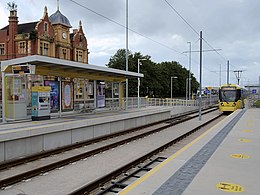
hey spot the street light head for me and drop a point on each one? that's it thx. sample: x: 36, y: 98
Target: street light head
x: 139, y: 61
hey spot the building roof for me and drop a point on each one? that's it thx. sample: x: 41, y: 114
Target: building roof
x: 27, y: 27
x: 59, y: 18
x: 24, y: 28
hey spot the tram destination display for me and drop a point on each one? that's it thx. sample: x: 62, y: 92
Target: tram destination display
x: 23, y: 69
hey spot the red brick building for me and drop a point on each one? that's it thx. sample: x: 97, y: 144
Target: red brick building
x: 50, y: 37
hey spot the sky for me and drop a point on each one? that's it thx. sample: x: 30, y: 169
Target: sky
x: 162, y: 30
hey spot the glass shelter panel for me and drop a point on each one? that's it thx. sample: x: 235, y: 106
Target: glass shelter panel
x: 16, y: 96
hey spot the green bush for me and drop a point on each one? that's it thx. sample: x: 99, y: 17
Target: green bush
x: 257, y: 104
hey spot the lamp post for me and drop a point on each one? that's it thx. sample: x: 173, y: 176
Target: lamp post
x: 187, y: 90
x: 126, y: 56
x: 189, y: 72
x: 171, y: 84
x: 138, y: 84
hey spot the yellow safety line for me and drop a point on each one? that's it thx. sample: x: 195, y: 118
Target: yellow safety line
x: 164, y: 163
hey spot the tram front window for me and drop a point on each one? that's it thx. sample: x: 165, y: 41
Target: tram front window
x: 228, y: 96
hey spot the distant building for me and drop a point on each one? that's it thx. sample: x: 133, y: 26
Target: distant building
x: 49, y: 37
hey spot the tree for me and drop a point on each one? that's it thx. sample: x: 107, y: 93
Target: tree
x: 157, y: 76
x: 118, y: 61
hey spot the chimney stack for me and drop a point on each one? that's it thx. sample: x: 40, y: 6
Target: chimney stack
x: 75, y: 31
x: 13, y: 30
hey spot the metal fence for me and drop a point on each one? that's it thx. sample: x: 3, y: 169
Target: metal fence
x: 132, y: 102
x: 85, y: 106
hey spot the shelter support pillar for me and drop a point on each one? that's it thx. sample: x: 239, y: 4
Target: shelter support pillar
x: 3, y: 98
x: 95, y: 94
x: 112, y: 93
x: 84, y: 93
x: 121, y: 96
x: 60, y: 80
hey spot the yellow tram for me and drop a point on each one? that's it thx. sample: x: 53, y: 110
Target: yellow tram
x: 231, y: 97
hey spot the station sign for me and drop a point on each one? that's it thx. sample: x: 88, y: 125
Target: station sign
x: 254, y: 91
x: 23, y: 69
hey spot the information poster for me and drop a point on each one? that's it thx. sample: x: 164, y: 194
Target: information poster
x: 67, y: 96
x: 15, y: 86
x: 54, y: 94
x: 89, y: 88
x: 101, y: 99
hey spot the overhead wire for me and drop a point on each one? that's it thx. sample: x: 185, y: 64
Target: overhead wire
x: 117, y: 23
x: 182, y: 18
x: 195, y: 31
x: 157, y: 42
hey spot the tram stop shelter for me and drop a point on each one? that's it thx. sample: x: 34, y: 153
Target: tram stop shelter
x: 73, y: 86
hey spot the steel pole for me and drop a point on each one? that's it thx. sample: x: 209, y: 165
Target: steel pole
x: 171, y: 87
x: 200, y: 75
x: 138, y: 84
x: 228, y: 72
x: 189, y: 72
x: 220, y: 75
x: 126, y: 57
x: 3, y: 98
x: 187, y: 89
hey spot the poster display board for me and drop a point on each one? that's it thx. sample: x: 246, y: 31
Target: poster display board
x: 89, y: 88
x: 54, y: 94
x: 67, y: 95
x: 101, y: 98
x: 15, y: 97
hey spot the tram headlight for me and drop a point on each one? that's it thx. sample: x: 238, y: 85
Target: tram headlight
x: 234, y: 104
x: 222, y: 104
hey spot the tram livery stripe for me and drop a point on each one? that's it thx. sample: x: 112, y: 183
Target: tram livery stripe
x: 178, y: 182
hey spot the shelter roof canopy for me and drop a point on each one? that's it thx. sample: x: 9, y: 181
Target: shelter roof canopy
x: 65, y: 68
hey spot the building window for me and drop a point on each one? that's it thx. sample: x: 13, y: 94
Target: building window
x: 41, y: 48
x: 22, y: 47
x: 2, y: 49
x: 64, y: 54
x: 79, y: 55
x: 46, y: 27
x: 44, y: 49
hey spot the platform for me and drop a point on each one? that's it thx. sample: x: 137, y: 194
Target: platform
x: 29, y: 137
x: 223, y: 159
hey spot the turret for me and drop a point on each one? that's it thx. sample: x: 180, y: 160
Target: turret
x: 13, y: 30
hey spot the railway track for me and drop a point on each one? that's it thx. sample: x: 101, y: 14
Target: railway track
x: 138, y: 133
x: 109, y: 182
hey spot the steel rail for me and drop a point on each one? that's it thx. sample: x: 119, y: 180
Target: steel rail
x: 88, y: 188
x: 22, y: 176
x: 26, y: 159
